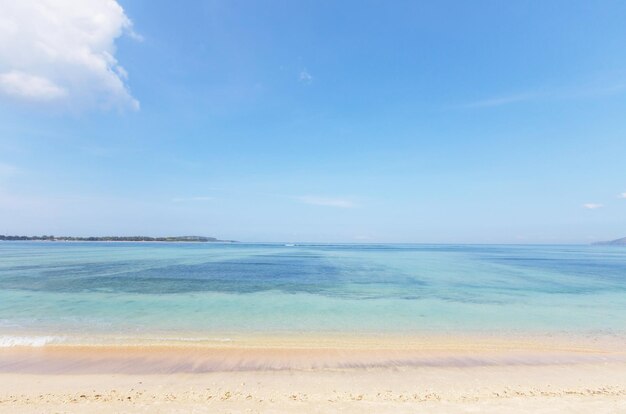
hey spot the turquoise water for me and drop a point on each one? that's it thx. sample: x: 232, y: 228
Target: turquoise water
x: 207, y: 290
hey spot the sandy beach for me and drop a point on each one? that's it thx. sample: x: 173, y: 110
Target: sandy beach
x: 588, y: 388
x: 479, y: 375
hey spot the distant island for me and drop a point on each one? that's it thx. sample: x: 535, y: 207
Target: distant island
x: 201, y: 239
x: 617, y: 242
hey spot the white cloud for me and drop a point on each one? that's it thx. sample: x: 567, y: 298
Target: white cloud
x: 592, y: 206
x: 187, y: 199
x: 62, y: 52
x: 327, y: 202
x: 305, y: 76
x: 623, y: 195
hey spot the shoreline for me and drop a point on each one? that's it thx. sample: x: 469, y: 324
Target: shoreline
x: 310, y: 352
x: 428, y: 338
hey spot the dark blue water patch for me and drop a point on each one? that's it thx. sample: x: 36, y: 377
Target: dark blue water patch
x: 290, y: 273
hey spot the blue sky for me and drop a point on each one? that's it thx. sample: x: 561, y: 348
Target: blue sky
x: 487, y: 122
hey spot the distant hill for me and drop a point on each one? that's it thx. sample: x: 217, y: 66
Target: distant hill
x: 617, y: 242
x: 201, y: 239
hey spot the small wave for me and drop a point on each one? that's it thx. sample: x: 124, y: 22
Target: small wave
x: 34, y: 341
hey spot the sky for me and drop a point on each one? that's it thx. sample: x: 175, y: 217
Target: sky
x: 319, y: 121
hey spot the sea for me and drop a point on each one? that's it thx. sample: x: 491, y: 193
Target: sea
x: 64, y: 292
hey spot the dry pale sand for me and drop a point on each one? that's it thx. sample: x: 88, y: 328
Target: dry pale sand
x: 585, y: 388
x: 407, y: 377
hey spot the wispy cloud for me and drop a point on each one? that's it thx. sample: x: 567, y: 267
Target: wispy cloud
x: 592, y: 206
x: 623, y: 195
x: 7, y: 170
x: 191, y: 199
x: 557, y: 94
x: 503, y: 100
x: 305, y: 76
x: 327, y: 201
x: 592, y: 92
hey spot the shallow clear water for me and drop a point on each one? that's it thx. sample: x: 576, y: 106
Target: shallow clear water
x: 207, y: 289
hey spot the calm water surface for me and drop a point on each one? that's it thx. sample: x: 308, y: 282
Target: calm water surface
x: 208, y: 290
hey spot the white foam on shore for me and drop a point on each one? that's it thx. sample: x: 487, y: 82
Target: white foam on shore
x: 8, y: 341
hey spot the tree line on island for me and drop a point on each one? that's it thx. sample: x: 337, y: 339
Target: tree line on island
x: 115, y: 238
